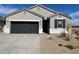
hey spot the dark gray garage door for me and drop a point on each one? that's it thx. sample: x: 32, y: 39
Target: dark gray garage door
x: 24, y: 27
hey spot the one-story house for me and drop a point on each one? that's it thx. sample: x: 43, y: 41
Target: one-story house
x: 36, y: 19
x: 2, y: 23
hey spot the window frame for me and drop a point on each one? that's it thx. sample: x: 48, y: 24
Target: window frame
x: 56, y: 21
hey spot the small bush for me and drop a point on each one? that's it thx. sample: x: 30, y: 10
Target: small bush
x: 50, y: 38
x: 62, y: 35
x: 69, y: 47
x: 77, y: 37
x: 77, y: 47
x: 77, y: 32
x: 66, y: 38
x: 59, y: 44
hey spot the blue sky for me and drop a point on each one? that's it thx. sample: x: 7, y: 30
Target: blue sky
x: 70, y: 9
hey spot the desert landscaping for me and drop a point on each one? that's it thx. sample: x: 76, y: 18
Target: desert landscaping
x: 58, y: 44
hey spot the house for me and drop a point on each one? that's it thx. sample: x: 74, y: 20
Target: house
x: 36, y: 19
x: 2, y: 23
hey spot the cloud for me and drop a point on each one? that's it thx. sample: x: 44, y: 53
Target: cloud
x: 6, y: 9
x: 75, y: 21
x: 75, y: 18
x: 75, y: 15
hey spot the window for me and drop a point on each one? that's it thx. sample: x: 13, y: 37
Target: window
x: 59, y: 23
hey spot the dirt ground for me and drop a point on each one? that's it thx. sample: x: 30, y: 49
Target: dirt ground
x: 2, y: 34
x: 49, y: 44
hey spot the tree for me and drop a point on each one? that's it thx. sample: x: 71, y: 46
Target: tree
x: 68, y: 28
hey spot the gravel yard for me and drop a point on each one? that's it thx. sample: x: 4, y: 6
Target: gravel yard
x: 49, y: 44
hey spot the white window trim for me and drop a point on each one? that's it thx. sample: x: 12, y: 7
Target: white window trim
x: 62, y: 24
x: 57, y: 24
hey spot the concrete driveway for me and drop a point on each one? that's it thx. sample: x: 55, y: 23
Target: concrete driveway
x: 19, y: 43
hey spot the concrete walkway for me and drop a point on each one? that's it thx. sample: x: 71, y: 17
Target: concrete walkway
x: 19, y: 43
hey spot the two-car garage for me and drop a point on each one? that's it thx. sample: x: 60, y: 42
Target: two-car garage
x: 24, y: 27
x: 24, y: 21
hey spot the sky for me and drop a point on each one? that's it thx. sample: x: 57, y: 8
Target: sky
x: 70, y: 9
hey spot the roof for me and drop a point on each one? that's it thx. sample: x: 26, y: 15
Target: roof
x: 60, y: 14
x: 30, y: 11
x: 20, y: 10
x: 1, y: 18
x: 56, y: 13
x: 43, y: 7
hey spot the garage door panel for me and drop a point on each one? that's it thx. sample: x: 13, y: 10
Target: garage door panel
x: 24, y: 27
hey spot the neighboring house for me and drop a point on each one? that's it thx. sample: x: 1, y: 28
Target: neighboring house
x: 36, y: 19
x: 75, y: 28
x: 2, y: 23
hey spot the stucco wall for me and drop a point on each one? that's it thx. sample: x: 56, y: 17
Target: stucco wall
x: 52, y: 24
x: 21, y: 16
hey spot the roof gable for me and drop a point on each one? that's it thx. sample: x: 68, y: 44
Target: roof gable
x: 38, y: 5
x: 13, y: 13
x: 60, y: 14
x: 42, y: 10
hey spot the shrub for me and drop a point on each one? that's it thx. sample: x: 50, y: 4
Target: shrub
x: 62, y: 35
x: 75, y: 32
x: 69, y: 47
x: 66, y: 38
x: 77, y: 47
x: 77, y: 37
x: 50, y: 38
x: 59, y: 44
